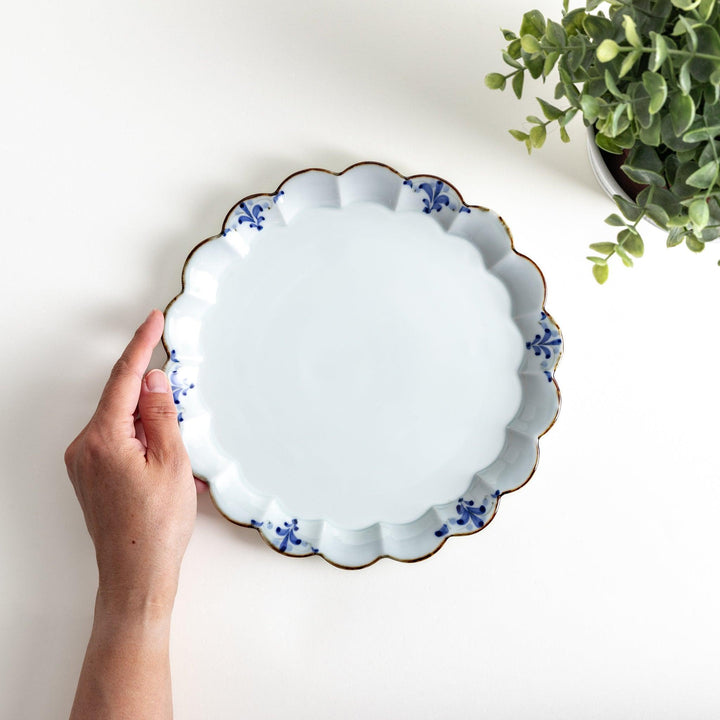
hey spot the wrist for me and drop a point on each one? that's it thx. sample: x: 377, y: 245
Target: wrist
x: 125, y: 604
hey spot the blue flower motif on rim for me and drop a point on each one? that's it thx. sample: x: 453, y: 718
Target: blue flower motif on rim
x: 468, y: 514
x: 179, y: 386
x: 437, y: 197
x: 287, y: 535
x: 252, y: 213
x: 546, y: 345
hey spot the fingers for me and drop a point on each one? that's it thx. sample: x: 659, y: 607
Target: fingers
x: 120, y: 397
x: 201, y: 486
x: 159, y: 419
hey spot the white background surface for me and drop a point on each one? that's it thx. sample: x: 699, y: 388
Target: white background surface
x: 126, y: 133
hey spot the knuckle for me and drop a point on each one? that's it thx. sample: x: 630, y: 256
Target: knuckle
x: 70, y: 453
x: 120, y: 368
x: 95, y: 444
x: 160, y: 411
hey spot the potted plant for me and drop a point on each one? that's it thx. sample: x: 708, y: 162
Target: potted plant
x: 645, y: 77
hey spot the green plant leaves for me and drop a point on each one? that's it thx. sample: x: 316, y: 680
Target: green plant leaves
x: 549, y: 64
x: 615, y: 220
x: 679, y: 187
x: 705, y: 176
x: 631, y: 32
x: 576, y: 53
x: 669, y: 138
x: 629, y: 62
x: 628, y: 208
x: 631, y: 242
x: 616, y: 123
x: 640, y: 99
x: 590, y: 107
x: 658, y: 215
x: 693, y: 244
x: 656, y: 86
x: 701, y: 133
x: 607, y: 51
x: 659, y: 51
x: 683, y: 26
x: 573, y: 21
x: 603, y: 247
x: 598, y: 27
x: 645, y: 74
x: 522, y: 137
x: 530, y: 44
x: 519, y: 135
x: 495, y: 81
x: 644, y: 166
x: 517, y: 84
x: 708, y: 45
x: 533, y: 23
x: 538, y: 135
x: 684, y: 82
x: 611, y: 85
x: 600, y: 272
x: 550, y: 111
x: 626, y: 259
x: 682, y: 113
x: 659, y: 198
x: 512, y: 62
x: 706, y: 8
x: 534, y: 63
x: 651, y: 135
x: 556, y: 34
x: 699, y: 213
x: 675, y: 236
x: 607, y: 144
x: 568, y: 115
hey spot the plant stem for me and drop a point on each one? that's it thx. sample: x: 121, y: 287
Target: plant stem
x: 670, y: 51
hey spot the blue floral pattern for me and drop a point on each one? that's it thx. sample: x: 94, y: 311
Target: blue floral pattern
x: 252, y: 213
x: 179, y: 386
x: 437, y: 196
x: 468, y: 514
x: 287, y: 532
x: 546, y: 345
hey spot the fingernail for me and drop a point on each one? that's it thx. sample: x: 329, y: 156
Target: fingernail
x: 156, y: 381
x: 150, y: 314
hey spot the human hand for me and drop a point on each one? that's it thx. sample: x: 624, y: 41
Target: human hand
x: 134, y: 481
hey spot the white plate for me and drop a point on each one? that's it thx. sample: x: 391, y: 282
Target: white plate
x: 362, y: 364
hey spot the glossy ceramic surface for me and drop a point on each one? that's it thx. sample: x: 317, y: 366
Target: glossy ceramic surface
x: 362, y: 364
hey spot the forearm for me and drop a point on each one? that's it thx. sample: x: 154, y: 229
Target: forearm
x: 126, y: 673
x: 133, y: 479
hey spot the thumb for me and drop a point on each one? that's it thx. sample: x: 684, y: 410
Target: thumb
x: 159, y: 417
